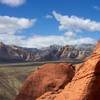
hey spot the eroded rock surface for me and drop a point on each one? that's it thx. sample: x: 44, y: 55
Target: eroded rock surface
x: 14, y: 54
x: 50, y: 77
x: 85, y: 85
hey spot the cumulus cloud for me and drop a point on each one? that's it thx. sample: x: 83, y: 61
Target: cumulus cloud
x: 13, y: 39
x: 43, y: 41
x: 74, y: 23
x: 70, y: 34
x: 70, y: 26
x: 13, y: 3
x: 48, y: 16
x: 11, y: 25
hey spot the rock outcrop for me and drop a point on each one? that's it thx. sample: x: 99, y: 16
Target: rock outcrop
x: 11, y: 53
x: 76, y: 52
x: 85, y: 85
x: 50, y: 77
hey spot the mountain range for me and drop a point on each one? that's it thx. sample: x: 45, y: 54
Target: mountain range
x: 13, y: 54
x: 64, y: 81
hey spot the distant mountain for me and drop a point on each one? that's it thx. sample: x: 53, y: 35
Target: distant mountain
x: 15, y: 54
x: 64, y: 81
x: 11, y: 53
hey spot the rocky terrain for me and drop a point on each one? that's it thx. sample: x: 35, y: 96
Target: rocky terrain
x: 85, y: 84
x: 11, y: 53
x: 15, y: 54
x: 50, y: 77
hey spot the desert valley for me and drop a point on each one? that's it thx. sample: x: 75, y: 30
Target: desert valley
x: 17, y: 63
x: 49, y: 50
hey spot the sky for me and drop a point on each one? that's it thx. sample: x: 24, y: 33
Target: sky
x: 40, y: 23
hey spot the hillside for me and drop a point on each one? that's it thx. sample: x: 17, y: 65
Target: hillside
x: 11, y: 53
x: 11, y: 79
x: 85, y: 84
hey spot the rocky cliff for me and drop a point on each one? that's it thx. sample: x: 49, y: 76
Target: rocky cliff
x: 9, y: 53
x: 50, y: 77
x: 85, y: 85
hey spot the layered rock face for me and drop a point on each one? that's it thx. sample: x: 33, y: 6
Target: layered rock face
x: 50, y: 77
x: 9, y: 53
x: 85, y: 85
x: 14, y: 54
x: 70, y: 52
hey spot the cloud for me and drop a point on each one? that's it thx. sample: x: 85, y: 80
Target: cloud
x: 48, y: 16
x: 13, y: 3
x: 70, y: 34
x: 43, y: 41
x: 97, y: 8
x: 74, y: 23
x: 11, y: 25
x: 13, y: 39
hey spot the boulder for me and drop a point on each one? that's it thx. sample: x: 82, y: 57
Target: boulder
x: 85, y: 85
x: 50, y: 77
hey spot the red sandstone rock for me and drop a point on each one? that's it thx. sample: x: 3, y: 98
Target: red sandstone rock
x: 85, y: 85
x: 49, y: 95
x: 50, y: 77
x: 86, y: 82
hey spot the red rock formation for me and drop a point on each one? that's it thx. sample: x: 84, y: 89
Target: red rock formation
x: 50, y: 77
x: 49, y: 95
x: 86, y: 83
